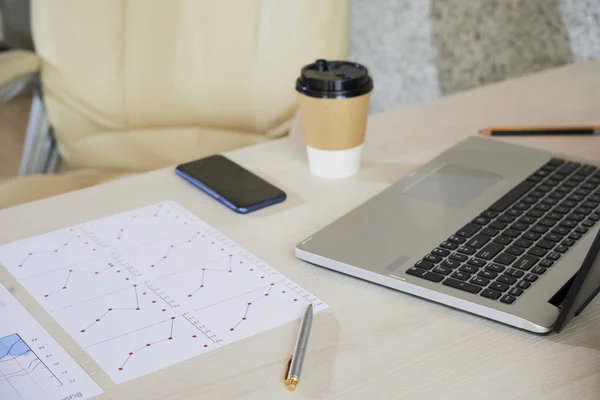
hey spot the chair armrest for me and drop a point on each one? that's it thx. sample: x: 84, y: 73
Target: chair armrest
x: 18, y: 69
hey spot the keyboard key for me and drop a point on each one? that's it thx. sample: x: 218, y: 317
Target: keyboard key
x: 501, y: 287
x: 568, y: 223
x: 555, y: 162
x: 442, y: 270
x: 581, y: 229
x: 511, y: 233
x: 535, y: 178
x: 523, y: 284
x: 575, y: 236
x: 590, y: 204
x: 552, y: 182
x: 553, y: 256
x: 458, y: 257
x: 466, y: 250
x: 519, y: 226
x: 563, y: 189
x: 487, y: 274
x: 450, y: 264
x: 526, y: 262
x: 582, y: 192
x: 468, y: 230
x: 476, y: 262
x: 463, y: 276
x: 595, y: 217
x: 508, y: 299
x: 494, y: 268
x: 553, y: 237
x: 554, y: 216
x: 541, y: 172
x: 524, y: 243
x: 561, y: 249
x: 527, y: 219
x: 515, y: 292
x: 536, y: 194
x: 509, y: 280
x: 467, y: 287
x: 578, y: 178
x: 506, y: 218
x: 556, y: 195
x: 512, y: 196
x: 568, y: 242
x: 568, y: 204
x: 545, y: 244
x: 546, y: 203
x: 433, y: 258
x: 561, y: 230
x: 515, y: 251
x: 502, y: 240
x: 589, y: 186
x: 583, y: 210
x: 588, y: 223
x: 421, y: 273
x: 498, y: 225
x: 595, y: 197
x: 576, y: 217
x: 449, y: 245
x: 478, y: 241
x: 517, y: 273
x: 586, y: 170
x: 517, y: 210
x: 489, y: 214
x: 469, y: 269
x: 576, y: 197
x: 537, y: 251
x: 481, y: 221
x: 490, y: 251
x: 505, y: 259
x: 531, y: 235
x: 480, y: 281
x: 440, y: 252
x: 538, y: 270
x: 568, y: 167
x: 571, y: 184
x: 547, y: 222
x: 539, y: 229
x: 531, y: 199
x: 530, y: 278
x: 535, y: 213
x: 544, y: 188
x: 457, y: 239
x: 489, y: 231
x: 424, y: 264
x: 561, y: 210
x: 491, y: 294
x: 546, y: 263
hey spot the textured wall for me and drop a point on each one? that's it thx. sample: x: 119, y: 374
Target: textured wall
x: 422, y: 49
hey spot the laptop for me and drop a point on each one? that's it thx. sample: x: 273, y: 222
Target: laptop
x: 503, y: 231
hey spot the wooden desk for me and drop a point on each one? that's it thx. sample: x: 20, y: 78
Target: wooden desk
x: 373, y: 343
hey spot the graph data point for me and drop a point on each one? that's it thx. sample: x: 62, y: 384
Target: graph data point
x: 70, y: 270
x: 164, y: 257
x: 251, y: 269
x: 130, y: 353
x: 138, y: 309
x: 120, y: 369
x: 205, y: 345
x: 45, y: 295
x: 20, y: 265
x: 266, y: 294
x: 170, y: 338
x: 203, y: 269
x: 97, y: 272
x: 110, y: 309
x: 249, y: 304
x: 83, y: 330
x: 135, y: 285
x: 189, y: 295
x: 231, y: 329
x: 172, y: 317
x: 189, y: 241
x: 30, y: 254
x: 164, y: 310
x: 153, y: 301
x: 126, y: 279
x: 97, y: 319
x: 118, y: 271
x: 229, y: 270
x: 272, y: 284
x: 147, y: 344
x: 194, y: 336
x: 56, y: 251
x: 243, y: 319
x: 172, y: 246
x: 64, y: 287
x: 201, y: 285
x: 295, y: 299
x: 152, y: 266
x: 262, y: 277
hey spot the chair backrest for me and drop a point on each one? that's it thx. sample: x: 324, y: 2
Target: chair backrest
x: 117, y: 66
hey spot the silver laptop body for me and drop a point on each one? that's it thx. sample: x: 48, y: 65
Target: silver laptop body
x: 383, y: 238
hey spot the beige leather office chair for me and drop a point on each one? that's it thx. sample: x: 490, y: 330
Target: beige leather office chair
x: 123, y: 86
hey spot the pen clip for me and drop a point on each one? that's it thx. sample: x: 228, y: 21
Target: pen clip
x: 287, y: 370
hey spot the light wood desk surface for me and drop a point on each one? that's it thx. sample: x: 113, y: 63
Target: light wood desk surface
x: 372, y: 343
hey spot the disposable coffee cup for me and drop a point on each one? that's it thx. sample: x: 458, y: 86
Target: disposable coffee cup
x: 333, y: 97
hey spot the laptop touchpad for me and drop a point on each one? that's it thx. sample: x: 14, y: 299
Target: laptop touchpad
x: 453, y: 185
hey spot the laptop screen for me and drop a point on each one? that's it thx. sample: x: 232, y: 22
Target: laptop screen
x: 586, y: 285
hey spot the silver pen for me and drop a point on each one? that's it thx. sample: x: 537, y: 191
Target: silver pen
x: 294, y: 365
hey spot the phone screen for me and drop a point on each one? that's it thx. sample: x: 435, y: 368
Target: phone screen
x: 221, y: 177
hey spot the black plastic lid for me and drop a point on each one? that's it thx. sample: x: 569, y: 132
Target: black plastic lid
x: 334, y: 80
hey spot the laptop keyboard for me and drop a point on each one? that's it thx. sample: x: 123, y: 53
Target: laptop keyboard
x: 508, y: 247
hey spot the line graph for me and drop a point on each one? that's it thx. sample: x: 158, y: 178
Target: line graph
x: 21, y: 370
x: 163, y: 286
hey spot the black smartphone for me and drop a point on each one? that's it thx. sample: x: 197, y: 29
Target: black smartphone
x: 231, y: 184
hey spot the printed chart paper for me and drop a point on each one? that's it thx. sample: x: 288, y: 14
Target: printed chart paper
x: 148, y: 288
x: 32, y: 365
